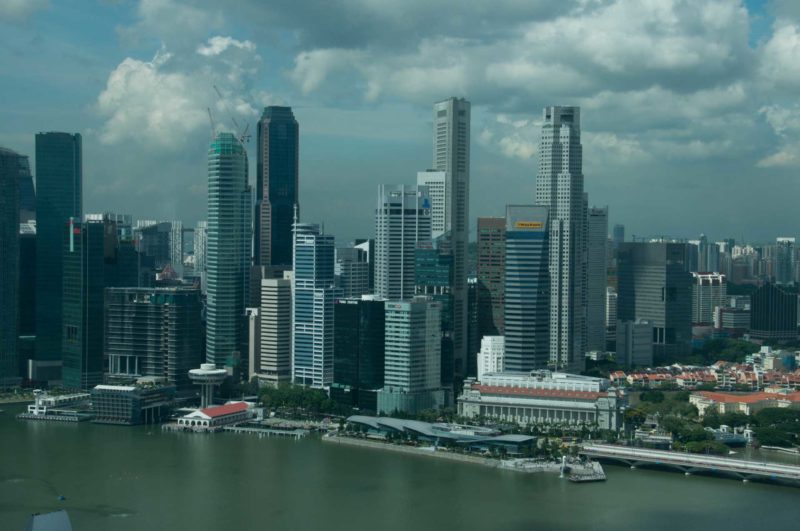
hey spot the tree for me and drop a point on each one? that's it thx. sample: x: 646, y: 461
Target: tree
x: 652, y: 396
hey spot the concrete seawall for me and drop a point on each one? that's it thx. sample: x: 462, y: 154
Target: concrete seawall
x: 414, y: 450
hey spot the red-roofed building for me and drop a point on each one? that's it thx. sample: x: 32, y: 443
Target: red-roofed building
x: 213, y: 418
x: 747, y: 403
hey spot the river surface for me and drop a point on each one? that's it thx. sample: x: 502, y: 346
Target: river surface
x: 138, y: 478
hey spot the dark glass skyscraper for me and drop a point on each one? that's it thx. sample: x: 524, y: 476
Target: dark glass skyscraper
x: 59, y: 177
x: 94, y: 258
x: 10, y: 170
x: 277, y: 187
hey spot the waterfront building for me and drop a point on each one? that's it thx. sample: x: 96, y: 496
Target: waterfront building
x: 27, y: 304
x: 95, y: 258
x: 491, y: 275
x: 747, y: 403
x: 59, y: 189
x: 544, y: 397
x: 596, y: 274
x: 352, y: 271
x: 228, y: 251
x: 273, y: 366
x: 402, y: 221
x: 559, y: 188
x: 358, y: 351
x: 152, y: 332
x: 11, y: 171
x: 451, y: 155
x: 277, y: 187
x: 773, y: 313
x: 655, y: 286
x: 216, y: 417
x: 312, y: 309
x: 490, y: 357
x: 412, y: 369
x: 709, y: 291
x: 527, y: 289
x: 143, y: 403
x: 433, y: 274
x: 634, y: 343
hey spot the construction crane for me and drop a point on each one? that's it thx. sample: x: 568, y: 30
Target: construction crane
x: 241, y: 135
x: 211, y: 119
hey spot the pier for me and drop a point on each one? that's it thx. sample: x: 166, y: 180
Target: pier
x: 295, y: 434
x: 695, y: 463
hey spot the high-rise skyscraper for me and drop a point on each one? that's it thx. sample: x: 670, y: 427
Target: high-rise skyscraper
x: 619, y: 235
x: 402, y: 221
x: 358, y: 343
x: 655, y: 286
x: 709, y: 291
x: 433, y: 271
x: 412, y: 357
x: 95, y: 258
x: 152, y: 332
x: 10, y: 173
x: 274, y: 363
x: 491, y: 275
x: 312, y: 309
x: 596, y: 274
x: 451, y: 152
x: 228, y: 252
x: 59, y: 177
x: 559, y: 187
x: 277, y: 187
x: 352, y: 272
x: 27, y: 193
x: 527, y: 289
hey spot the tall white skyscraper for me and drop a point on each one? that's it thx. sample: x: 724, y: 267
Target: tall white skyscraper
x: 451, y: 125
x: 559, y: 186
x: 436, y: 181
x: 228, y: 253
x: 274, y: 363
x: 402, y: 221
x: 596, y: 260
x: 312, y: 307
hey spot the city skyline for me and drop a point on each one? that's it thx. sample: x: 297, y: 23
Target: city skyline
x: 734, y: 109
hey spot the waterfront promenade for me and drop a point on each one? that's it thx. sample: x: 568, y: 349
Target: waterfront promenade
x: 694, y: 463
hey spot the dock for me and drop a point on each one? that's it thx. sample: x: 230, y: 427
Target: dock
x: 295, y: 434
x: 695, y: 463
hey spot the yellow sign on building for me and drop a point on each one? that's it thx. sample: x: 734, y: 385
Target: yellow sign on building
x: 528, y: 225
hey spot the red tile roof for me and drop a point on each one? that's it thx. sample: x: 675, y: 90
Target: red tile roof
x: 227, y: 409
x: 749, y: 398
x: 544, y: 393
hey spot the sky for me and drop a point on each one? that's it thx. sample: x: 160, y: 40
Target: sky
x: 689, y: 108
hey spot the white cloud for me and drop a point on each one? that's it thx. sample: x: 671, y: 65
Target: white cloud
x: 785, y: 123
x: 780, y: 57
x: 18, y: 10
x: 162, y: 103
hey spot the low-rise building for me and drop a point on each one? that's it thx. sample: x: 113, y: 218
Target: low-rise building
x: 544, y: 397
x: 132, y: 404
x: 747, y: 403
x: 216, y: 417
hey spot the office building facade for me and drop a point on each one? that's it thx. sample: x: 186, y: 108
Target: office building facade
x: 358, y: 344
x: 527, y: 289
x: 274, y: 363
x: 312, y: 309
x: 596, y: 278
x: 59, y: 177
x: 709, y: 291
x: 412, y: 369
x: 95, y: 258
x: 773, y: 313
x: 152, y: 332
x: 228, y: 251
x: 10, y: 174
x: 451, y: 155
x: 277, y: 187
x: 559, y: 187
x: 402, y: 221
x: 352, y: 272
x: 491, y: 275
x: 655, y: 286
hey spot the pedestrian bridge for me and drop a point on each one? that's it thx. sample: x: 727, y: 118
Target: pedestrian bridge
x: 694, y: 463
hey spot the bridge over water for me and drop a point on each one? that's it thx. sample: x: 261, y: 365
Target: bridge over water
x: 694, y: 463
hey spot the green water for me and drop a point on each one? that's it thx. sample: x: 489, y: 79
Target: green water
x: 119, y: 478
